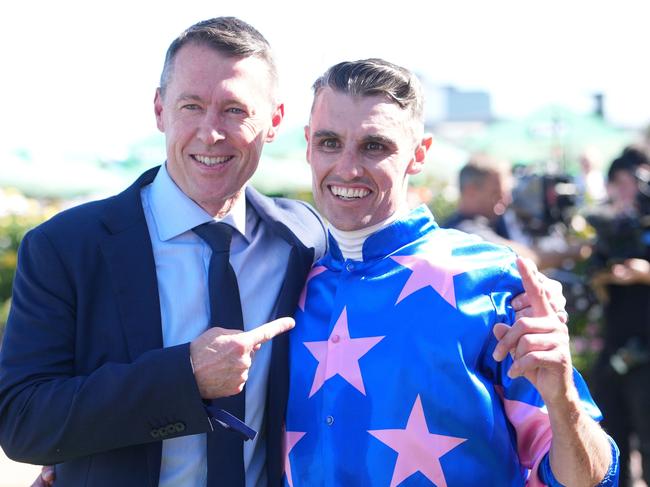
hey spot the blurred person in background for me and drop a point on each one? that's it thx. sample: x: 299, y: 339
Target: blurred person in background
x: 485, y: 185
x: 621, y: 375
x: 590, y: 182
x: 485, y: 209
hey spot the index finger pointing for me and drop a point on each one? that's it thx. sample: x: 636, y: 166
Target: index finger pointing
x: 267, y: 331
x: 536, y: 294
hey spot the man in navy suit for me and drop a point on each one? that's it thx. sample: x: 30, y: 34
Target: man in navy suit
x: 108, y: 348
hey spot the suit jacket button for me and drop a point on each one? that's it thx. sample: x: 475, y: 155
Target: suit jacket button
x: 155, y: 433
x: 180, y: 427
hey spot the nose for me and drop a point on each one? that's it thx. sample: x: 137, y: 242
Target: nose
x: 210, y: 130
x: 347, y: 165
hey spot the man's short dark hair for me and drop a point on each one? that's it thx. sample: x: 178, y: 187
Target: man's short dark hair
x: 478, y: 168
x: 368, y: 77
x: 229, y: 36
x: 630, y: 160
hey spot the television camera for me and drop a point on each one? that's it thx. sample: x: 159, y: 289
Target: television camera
x: 541, y: 201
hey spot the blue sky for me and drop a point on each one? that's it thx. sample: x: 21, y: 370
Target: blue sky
x: 79, y: 76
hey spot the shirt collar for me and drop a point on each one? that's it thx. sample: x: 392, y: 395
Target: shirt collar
x: 175, y: 213
x: 351, y: 242
x: 406, y: 229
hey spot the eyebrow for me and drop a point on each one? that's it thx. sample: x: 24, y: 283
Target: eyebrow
x: 188, y: 96
x: 325, y: 134
x: 379, y: 139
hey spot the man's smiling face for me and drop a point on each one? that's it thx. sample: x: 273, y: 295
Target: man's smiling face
x: 216, y: 112
x: 361, y: 150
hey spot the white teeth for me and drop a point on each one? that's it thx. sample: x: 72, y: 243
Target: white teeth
x: 349, y: 192
x: 211, y: 161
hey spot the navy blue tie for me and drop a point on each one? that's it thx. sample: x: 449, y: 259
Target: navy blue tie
x: 225, y: 446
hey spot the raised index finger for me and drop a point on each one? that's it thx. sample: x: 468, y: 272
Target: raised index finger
x: 267, y: 331
x: 533, y: 287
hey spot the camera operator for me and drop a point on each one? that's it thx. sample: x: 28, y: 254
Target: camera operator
x: 483, y: 209
x: 621, y: 376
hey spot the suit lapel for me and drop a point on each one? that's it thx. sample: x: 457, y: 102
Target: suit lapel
x: 129, y: 257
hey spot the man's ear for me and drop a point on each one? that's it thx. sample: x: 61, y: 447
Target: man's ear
x: 158, y: 109
x: 276, y: 120
x: 420, y: 155
x: 307, y: 139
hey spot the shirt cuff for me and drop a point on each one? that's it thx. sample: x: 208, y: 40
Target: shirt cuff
x: 611, y: 477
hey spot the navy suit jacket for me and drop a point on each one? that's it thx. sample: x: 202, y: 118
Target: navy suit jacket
x: 84, y: 380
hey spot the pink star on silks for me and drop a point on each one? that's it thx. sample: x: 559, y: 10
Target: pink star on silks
x: 319, y: 269
x: 290, y: 440
x: 417, y: 449
x: 340, y: 354
x: 438, y: 275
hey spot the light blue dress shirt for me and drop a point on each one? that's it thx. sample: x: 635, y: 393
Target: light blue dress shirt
x: 182, y: 261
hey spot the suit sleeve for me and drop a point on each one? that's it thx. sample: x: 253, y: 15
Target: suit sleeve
x: 48, y: 412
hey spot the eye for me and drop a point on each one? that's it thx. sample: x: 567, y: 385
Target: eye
x: 190, y: 106
x: 374, y: 146
x: 329, y: 144
x: 235, y: 110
